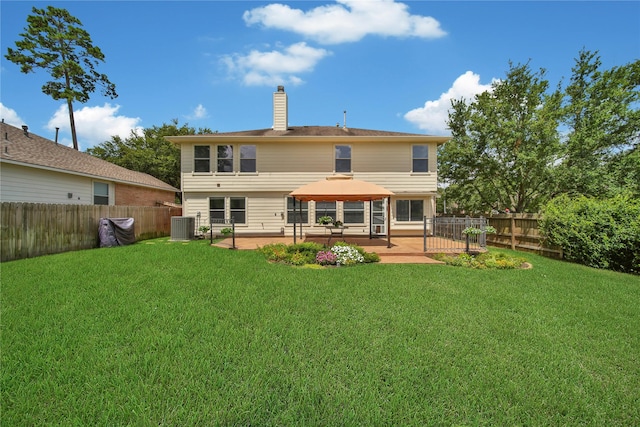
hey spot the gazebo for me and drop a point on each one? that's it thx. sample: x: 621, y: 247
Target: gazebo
x: 342, y: 188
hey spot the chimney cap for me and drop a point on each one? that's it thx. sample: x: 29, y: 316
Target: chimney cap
x: 280, y: 88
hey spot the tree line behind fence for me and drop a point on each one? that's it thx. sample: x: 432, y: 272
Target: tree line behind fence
x: 34, y: 229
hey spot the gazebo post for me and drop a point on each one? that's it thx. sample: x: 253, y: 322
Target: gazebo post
x: 370, y: 219
x: 388, y: 221
x: 300, y: 216
x: 294, y: 221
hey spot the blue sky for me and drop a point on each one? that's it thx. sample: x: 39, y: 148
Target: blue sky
x: 392, y: 65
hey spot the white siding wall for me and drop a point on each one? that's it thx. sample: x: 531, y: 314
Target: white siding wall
x: 25, y: 184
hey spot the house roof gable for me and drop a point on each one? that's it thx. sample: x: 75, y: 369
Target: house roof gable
x: 28, y: 149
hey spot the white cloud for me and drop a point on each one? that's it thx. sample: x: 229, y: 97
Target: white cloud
x: 346, y: 21
x: 10, y: 116
x: 275, y: 66
x: 198, y: 113
x: 94, y: 125
x: 433, y: 116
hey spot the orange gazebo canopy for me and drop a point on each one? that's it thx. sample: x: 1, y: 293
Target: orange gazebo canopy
x: 340, y: 188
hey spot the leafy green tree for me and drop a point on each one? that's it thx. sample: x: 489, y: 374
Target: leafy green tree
x: 504, y: 145
x: 55, y: 42
x: 600, y: 111
x: 148, y: 151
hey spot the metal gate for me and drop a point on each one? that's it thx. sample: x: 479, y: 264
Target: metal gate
x: 446, y: 234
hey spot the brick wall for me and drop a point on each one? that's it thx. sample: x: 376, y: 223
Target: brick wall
x: 130, y: 195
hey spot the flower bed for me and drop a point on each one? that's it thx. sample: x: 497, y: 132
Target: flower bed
x: 340, y: 254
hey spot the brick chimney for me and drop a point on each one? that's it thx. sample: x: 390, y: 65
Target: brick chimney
x: 280, y: 110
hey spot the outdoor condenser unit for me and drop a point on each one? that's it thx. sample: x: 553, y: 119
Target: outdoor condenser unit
x: 182, y: 227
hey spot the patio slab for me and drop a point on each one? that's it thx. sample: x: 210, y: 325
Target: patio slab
x: 403, y: 250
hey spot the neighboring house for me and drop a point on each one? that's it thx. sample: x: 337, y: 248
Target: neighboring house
x: 37, y: 170
x: 249, y: 175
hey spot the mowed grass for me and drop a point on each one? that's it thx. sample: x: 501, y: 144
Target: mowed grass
x: 168, y: 333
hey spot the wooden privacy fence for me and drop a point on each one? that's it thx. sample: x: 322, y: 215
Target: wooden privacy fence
x: 520, y: 232
x: 34, y: 229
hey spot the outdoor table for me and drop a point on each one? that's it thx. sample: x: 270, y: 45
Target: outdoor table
x: 335, y: 231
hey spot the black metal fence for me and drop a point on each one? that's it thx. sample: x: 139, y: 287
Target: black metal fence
x: 447, y: 234
x: 225, y: 227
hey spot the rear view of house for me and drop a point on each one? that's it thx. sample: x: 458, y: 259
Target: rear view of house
x: 248, y: 176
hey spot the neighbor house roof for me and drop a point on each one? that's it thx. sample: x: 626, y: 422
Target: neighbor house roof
x: 295, y: 132
x: 25, y: 148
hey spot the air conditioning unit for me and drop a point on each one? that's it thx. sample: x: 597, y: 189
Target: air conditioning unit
x: 182, y: 228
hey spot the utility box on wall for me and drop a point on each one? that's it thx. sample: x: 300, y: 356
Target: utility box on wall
x: 182, y: 228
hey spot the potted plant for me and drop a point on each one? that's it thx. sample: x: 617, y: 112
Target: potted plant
x: 203, y: 229
x: 325, y: 220
x: 226, y: 231
x: 473, y: 231
x: 337, y: 224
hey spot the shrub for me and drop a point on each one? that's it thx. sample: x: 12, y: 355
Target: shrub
x: 371, y: 257
x: 303, y: 253
x: 486, y: 260
x: 276, y: 252
x: 598, y: 233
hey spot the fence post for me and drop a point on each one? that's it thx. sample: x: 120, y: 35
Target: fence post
x: 513, y: 233
x: 424, y: 233
x: 233, y: 233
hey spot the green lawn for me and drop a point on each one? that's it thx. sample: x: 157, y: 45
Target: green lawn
x: 175, y: 334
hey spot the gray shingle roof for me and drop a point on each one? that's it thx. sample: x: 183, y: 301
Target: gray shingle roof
x: 31, y: 149
x: 317, y: 131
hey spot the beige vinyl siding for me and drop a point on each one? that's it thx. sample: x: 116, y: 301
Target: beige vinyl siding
x: 400, y: 183
x: 286, y: 165
x: 318, y: 156
x: 26, y: 184
x: 380, y: 157
x: 265, y: 211
x: 307, y: 156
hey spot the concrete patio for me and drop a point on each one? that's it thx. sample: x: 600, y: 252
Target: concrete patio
x: 403, y: 250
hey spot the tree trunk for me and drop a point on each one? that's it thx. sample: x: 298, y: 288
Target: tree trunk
x: 72, y: 121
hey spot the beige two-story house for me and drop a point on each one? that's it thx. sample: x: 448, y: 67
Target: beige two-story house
x: 248, y: 176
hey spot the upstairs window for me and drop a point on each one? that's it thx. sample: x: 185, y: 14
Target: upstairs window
x: 225, y: 158
x: 420, y: 157
x: 343, y: 158
x: 248, y: 158
x: 298, y: 214
x: 201, y: 159
x: 100, y: 193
